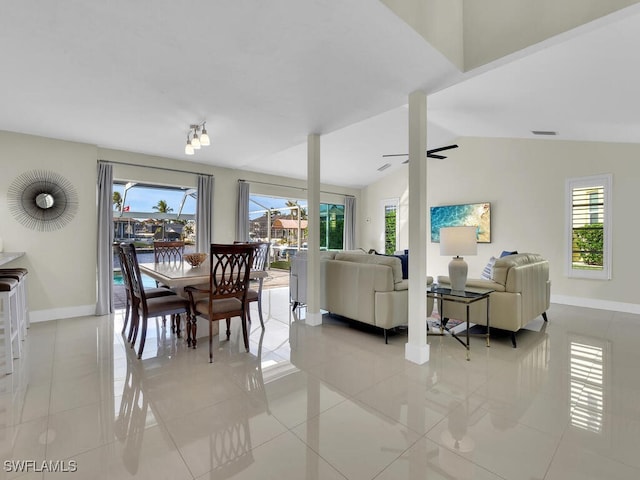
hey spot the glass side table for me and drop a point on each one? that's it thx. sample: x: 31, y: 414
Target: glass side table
x: 467, y: 297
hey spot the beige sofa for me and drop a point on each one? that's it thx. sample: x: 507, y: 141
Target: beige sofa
x: 367, y: 288
x: 522, y: 292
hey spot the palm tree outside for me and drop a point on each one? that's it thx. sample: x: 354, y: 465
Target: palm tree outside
x: 162, y: 207
x: 117, y: 201
x: 293, y: 209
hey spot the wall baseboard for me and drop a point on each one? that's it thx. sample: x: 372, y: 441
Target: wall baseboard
x: 596, y: 303
x: 90, y: 310
x: 58, y: 313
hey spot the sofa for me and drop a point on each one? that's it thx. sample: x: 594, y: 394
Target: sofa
x: 367, y: 288
x: 522, y: 293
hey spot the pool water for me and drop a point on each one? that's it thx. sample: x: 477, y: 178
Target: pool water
x: 148, y: 282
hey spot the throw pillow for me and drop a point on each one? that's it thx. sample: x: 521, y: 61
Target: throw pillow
x: 404, y: 261
x: 487, y: 273
x: 506, y: 252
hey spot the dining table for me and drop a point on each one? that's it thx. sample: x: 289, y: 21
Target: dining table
x: 180, y: 274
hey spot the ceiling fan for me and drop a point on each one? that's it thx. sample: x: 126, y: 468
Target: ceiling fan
x: 430, y: 153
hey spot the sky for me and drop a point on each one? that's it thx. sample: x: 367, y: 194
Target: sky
x: 143, y: 199
x: 256, y: 203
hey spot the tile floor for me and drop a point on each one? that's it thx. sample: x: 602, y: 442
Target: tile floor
x: 328, y: 402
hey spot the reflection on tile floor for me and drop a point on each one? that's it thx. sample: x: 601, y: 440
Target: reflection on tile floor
x: 329, y: 402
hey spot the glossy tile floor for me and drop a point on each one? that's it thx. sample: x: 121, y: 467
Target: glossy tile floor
x: 328, y: 402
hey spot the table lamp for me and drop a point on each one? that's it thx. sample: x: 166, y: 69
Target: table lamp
x: 458, y: 241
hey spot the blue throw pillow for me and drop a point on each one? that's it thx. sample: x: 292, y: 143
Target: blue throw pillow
x: 505, y: 253
x: 404, y: 261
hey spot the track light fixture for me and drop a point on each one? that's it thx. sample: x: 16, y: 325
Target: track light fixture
x: 194, y: 142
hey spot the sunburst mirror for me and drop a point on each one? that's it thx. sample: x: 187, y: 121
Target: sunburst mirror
x: 42, y: 200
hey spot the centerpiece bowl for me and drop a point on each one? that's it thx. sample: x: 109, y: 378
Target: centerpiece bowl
x: 195, y: 259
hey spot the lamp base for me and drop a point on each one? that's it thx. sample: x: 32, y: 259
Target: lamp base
x: 458, y: 274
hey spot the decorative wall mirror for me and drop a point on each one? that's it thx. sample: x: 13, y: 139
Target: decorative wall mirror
x: 42, y: 200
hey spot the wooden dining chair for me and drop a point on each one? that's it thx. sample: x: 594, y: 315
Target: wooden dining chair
x: 144, y: 307
x: 149, y: 292
x: 168, y: 252
x: 260, y: 262
x: 226, y: 296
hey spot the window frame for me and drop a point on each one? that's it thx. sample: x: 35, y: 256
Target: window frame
x: 389, y: 202
x: 327, y: 215
x: 606, y: 182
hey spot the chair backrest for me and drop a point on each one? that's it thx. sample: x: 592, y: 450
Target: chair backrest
x: 135, y: 277
x: 260, y: 254
x: 168, y: 252
x: 230, y: 267
x: 126, y: 276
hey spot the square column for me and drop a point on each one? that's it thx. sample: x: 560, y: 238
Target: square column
x: 314, y: 317
x: 417, y: 349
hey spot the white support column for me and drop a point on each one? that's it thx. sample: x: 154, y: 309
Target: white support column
x: 314, y: 317
x: 417, y: 349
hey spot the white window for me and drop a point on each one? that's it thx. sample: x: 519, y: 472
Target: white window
x: 391, y: 225
x: 588, y: 201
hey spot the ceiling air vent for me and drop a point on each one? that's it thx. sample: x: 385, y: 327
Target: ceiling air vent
x: 544, y: 132
x: 384, y: 167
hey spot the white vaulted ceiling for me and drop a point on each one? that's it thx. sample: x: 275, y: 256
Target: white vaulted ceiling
x: 133, y: 76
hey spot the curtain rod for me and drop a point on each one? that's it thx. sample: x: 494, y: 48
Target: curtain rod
x: 295, y: 188
x: 153, y: 167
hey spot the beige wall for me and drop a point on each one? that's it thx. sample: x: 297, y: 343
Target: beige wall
x: 495, y: 28
x: 440, y: 22
x: 62, y: 264
x: 525, y: 182
x: 472, y: 33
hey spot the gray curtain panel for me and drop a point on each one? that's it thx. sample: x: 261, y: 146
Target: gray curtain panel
x: 204, y: 213
x: 349, y: 223
x: 242, y: 219
x: 104, y: 304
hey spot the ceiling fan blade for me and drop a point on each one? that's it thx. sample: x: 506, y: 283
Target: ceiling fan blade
x: 434, y: 150
x: 430, y: 153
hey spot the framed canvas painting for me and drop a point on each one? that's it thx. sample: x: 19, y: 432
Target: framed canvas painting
x: 464, y: 215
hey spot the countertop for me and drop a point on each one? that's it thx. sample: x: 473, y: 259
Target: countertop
x: 6, y: 257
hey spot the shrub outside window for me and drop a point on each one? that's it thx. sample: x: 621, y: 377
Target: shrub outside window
x: 589, y: 227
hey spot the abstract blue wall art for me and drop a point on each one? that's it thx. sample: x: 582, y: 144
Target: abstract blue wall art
x: 466, y: 215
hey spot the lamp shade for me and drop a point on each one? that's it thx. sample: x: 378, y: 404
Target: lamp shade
x: 458, y: 241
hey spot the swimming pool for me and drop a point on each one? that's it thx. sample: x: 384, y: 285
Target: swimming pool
x: 148, y: 282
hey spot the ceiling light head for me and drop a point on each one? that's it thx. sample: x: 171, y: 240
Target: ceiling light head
x: 188, y: 148
x: 195, y: 141
x: 204, y: 138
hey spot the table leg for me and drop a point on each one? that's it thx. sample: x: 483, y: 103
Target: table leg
x: 488, y: 327
x: 468, y: 347
x: 188, y: 328
x: 194, y: 330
